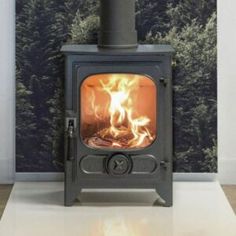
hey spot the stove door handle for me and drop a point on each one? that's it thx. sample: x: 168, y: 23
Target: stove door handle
x: 71, y: 141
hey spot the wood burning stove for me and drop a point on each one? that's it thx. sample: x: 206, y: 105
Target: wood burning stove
x: 118, y: 110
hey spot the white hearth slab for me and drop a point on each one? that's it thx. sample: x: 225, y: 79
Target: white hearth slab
x: 199, y: 209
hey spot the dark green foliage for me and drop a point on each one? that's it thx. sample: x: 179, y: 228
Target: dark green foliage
x: 195, y: 95
x: 38, y: 61
x: 183, y: 12
x: 25, y: 123
x: 151, y: 17
x: 42, y: 26
x: 84, y: 31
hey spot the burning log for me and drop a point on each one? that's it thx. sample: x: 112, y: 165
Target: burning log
x: 97, y: 141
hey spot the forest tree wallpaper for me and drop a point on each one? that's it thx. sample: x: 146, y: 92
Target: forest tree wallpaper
x: 42, y: 26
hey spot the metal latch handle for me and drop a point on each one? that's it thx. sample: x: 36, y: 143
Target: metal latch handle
x: 71, y: 140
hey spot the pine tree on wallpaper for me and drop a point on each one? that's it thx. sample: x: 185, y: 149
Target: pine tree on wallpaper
x: 44, y: 25
x: 195, y: 95
x: 151, y: 17
x: 37, y: 65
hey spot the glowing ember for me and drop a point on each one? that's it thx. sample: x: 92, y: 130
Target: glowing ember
x: 123, y: 126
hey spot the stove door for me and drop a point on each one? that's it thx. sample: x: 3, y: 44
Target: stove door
x: 120, y: 115
x: 119, y: 106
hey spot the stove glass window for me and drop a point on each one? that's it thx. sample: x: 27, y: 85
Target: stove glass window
x: 118, y: 111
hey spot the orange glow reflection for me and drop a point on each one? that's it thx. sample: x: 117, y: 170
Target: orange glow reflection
x: 118, y: 111
x: 119, y: 227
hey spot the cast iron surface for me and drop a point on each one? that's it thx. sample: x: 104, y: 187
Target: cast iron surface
x: 117, y: 24
x: 147, y: 49
x: 118, y: 164
x: 150, y: 167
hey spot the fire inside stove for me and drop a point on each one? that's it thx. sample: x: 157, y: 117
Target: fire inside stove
x: 118, y: 111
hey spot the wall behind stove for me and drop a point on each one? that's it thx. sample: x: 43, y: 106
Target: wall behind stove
x: 41, y: 28
x: 7, y: 91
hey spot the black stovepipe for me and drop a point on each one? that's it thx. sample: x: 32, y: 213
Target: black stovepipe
x: 117, y: 24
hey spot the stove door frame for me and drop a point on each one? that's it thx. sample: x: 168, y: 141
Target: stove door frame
x: 86, y: 71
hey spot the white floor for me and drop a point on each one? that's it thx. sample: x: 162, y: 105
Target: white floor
x: 36, y: 209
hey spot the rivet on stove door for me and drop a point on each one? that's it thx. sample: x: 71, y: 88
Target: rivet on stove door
x: 163, y: 81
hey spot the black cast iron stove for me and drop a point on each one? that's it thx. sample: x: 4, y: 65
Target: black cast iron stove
x: 118, y: 110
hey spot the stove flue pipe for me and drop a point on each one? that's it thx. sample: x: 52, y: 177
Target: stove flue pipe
x: 117, y: 24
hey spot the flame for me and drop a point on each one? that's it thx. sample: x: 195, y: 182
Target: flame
x: 95, y: 108
x: 125, y: 126
x: 121, y: 111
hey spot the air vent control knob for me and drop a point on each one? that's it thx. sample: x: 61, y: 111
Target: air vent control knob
x: 118, y: 164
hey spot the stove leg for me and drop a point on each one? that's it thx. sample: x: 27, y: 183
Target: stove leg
x: 71, y: 196
x: 68, y: 202
x: 71, y: 186
x: 164, y: 191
